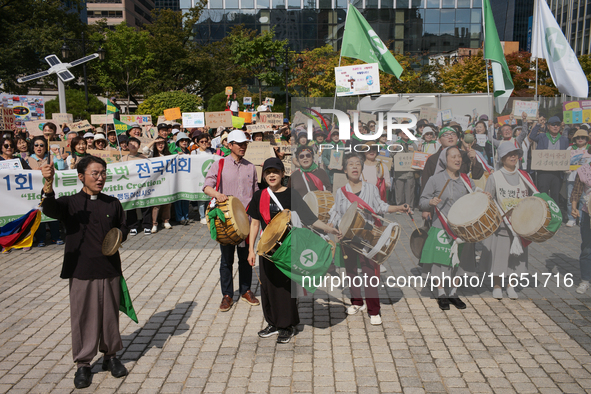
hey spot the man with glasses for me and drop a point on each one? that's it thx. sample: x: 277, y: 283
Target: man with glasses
x: 550, y: 182
x: 94, y: 278
x: 237, y: 178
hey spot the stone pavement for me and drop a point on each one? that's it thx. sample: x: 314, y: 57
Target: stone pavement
x: 538, y: 343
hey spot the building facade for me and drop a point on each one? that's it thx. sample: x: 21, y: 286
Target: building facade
x: 407, y: 26
x: 173, y: 5
x: 512, y: 18
x: 134, y: 12
x: 574, y: 17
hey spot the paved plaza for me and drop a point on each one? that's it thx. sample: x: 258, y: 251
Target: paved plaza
x: 538, y: 343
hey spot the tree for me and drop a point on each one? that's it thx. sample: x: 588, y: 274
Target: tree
x: 76, y: 105
x: 466, y: 76
x: 156, y: 104
x: 316, y: 78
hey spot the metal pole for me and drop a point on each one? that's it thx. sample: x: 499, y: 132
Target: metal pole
x: 61, y: 92
x: 286, y: 80
x: 84, y: 70
x: 536, y: 96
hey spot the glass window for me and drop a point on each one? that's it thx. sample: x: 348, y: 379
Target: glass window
x: 431, y: 29
x: 448, y: 4
x: 463, y: 30
x: 278, y: 4
x: 399, y: 32
x: 432, y: 16
x: 475, y: 44
x: 399, y: 16
x: 463, y: 3
x: 417, y: 4
x: 371, y: 3
x: 325, y: 4
x: 341, y: 3
x: 387, y: 3
x: 263, y: 4
x: 309, y: 4
x: 248, y: 4
x: 432, y: 3
x: 399, y: 47
x: 462, y: 16
x: 231, y: 3
x: 294, y: 4
x: 446, y: 28
x: 387, y: 15
x: 476, y: 16
x: 447, y: 16
x: 217, y: 4
x: 476, y: 3
x: 371, y: 15
x: 475, y: 31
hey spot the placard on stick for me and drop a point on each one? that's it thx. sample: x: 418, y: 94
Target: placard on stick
x: 259, y: 127
x: 403, y: 162
x: 529, y: 107
x: 80, y: 126
x: 258, y: 152
x: 213, y: 120
x: 101, y: 119
x: 109, y: 156
x: 139, y: 119
x: 172, y: 113
x: 274, y: 118
x: 550, y: 160
x: 7, y: 119
x: 62, y: 118
x: 193, y: 119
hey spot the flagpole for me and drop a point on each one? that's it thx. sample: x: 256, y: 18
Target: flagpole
x: 534, y: 26
x: 536, y: 95
x: 334, y: 104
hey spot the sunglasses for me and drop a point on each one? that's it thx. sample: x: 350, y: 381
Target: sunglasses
x: 39, y: 145
x: 305, y: 156
x: 554, y: 124
x: 6, y: 146
x: 578, y: 138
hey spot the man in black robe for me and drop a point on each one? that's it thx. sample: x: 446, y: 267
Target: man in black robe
x: 94, y: 278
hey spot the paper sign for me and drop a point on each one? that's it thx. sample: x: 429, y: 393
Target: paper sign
x: 463, y: 121
x: 35, y: 127
x: 550, y: 160
x: 63, y: 146
x: 258, y: 152
x: 109, y: 156
x: 419, y: 159
x: 161, y: 119
x: 287, y: 163
x: 12, y: 164
x: 259, y: 127
x: 80, y: 126
x: 229, y: 90
x: 583, y: 171
x: 274, y: 118
x: 300, y: 118
x: 567, y: 117
x: 269, y: 101
x: 237, y: 122
x: 193, y: 119
x: 101, y: 119
x: 139, y: 119
x: 503, y: 120
x: 446, y: 115
x: 145, y: 141
x: 571, y: 105
x: 172, y: 113
x: 338, y: 181
x: 213, y: 120
x: 7, y: 119
x: 481, y: 139
x: 429, y: 113
x: 403, y: 161
x: 386, y: 161
x: 247, y: 116
x: 358, y: 79
x: 529, y: 107
x: 247, y: 100
x: 62, y: 118
x: 577, y: 117
x: 336, y: 160
x: 586, y: 115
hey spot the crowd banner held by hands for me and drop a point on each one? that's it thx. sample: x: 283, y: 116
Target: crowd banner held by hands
x: 101, y: 119
x: 213, y: 120
x: 137, y: 184
x: 7, y: 119
x: 35, y: 127
x: 418, y: 160
x: 403, y: 161
x: 550, y: 160
x: 258, y: 152
x: 80, y: 126
x: 111, y: 108
x: 139, y: 119
x: 259, y: 127
x: 529, y: 107
x: 237, y: 122
x: 274, y: 118
x: 193, y: 119
x: 62, y: 118
x: 247, y: 116
x: 357, y: 79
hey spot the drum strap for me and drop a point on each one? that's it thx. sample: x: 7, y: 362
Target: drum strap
x: 317, y: 182
x: 354, y: 198
x: 466, y: 181
x: 528, y: 181
x: 266, y: 196
x: 454, y: 254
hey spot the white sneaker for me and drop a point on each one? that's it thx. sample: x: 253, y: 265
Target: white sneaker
x: 498, y: 293
x: 154, y: 229
x: 133, y: 231
x: 375, y: 320
x: 571, y: 223
x: 512, y: 293
x: 203, y: 221
x: 167, y: 226
x: 583, y: 287
x: 353, y: 309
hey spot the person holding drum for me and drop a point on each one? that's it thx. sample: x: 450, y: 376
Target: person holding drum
x: 95, y: 288
x: 368, y: 197
x: 309, y: 176
x: 507, y: 188
x: 441, y: 191
x: 279, y: 306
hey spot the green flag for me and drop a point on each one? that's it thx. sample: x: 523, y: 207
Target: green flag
x: 503, y: 84
x: 120, y: 127
x: 125, y: 304
x: 361, y: 42
x: 111, y: 108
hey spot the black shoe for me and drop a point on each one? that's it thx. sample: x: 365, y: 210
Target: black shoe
x: 83, y: 377
x: 443, y: 303
x: 116, y: 367
x: 268, y: 331
x: 285, y: 334
x: 455, y: 301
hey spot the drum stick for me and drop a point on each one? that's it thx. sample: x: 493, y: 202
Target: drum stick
x: 258, y: 277
x: 345, y: 257
x: 442, y: 190
x: 413, y: 220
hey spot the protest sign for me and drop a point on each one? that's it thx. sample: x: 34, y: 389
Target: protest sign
x: 274, y: 118
x: 62, y: 118
x: 481, y: 139
x: 269, y: 101
x: 288, y: 165
x: 35, y: 127
x: 213, y: 120
x: 550, y: 160
x: 463, y: 121
x: 300, y: 118
x: 429, y: 113
x: 101, y: 119
x: 7, y: 119
x: 80, y: 126
x: 403, y: 161
x: 24, y: 108
x: 259, y: 127
x: 336, y: 160
x: 247, y: 100
x: 139, y: 119
x: 137, y: 184
x: 529, y: 107
x: 172, y: 113
x: 109, y: 156
x: 507, y: 119
x: 358, y: 79
x: 247, y: 116
x: 576, y: 105
x: 12, y: 164
x: 237, y: 122
x: 161, y: 119
x: 418, y: 160
x: 145, y: 141
x: 258, y: 152
x: 62, y: 146
x: 229, y: 90
x: 386, y: 161
x: 193, y: 119
x: 446, y: 115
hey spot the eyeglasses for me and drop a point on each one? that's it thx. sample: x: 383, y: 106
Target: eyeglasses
x: 305, y: 156
x: 97, y: 175
x: 7, y: 146
x: 241, y: 144
x: 577, y: 138
x: 39, y: 145
x: 203, y: 142
x: 448, y: 135
x: 554, y: 124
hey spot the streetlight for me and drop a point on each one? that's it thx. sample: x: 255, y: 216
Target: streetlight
x: 65, y: 51
x: 286, y: 69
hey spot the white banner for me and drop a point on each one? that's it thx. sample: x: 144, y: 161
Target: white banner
x: 137, y: 184
x: 359, y: 79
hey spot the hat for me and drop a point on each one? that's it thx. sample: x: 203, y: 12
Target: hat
x: 99, y: 130
x: 224, y: 136
x: 422, y: 122
x: 99, y: 137
x: 162, y: 126
x: 445, y: 130
x: 554, y: 119
x: 273, y: 162
x: 134, y: 126
x: 507, y: 147
x: 237, y: 136
x: 181, y: 136
x: 88, y: 135
x: 428, y: 129
x: 175, y: 131
x: 176, y: 125
x: 112, y: 131
x: 285, y: 120
x: 483, y: 117
x: 581, y: 133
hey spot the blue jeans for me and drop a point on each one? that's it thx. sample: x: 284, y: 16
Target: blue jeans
x: 570, y: 185
x: 202, y: 206
x: 244, y: 270
x: 181, y: 210
x: 54, y: 229
x: 585, y: 258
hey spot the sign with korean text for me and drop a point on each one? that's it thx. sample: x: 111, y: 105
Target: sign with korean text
x: 446, y: 115
x: 576, y: 105
x: 403, y: 161
x: 529, y: 107
x: 550, y: 160
x: 358, y: 79
x: 463, y: 121
x: 80, y: 126
x: 110, y: 156
x: 259, y: 127
x: 101, y: 119
x: 172, y: 113
x: 7, y: 119
x: 62, y: 118
x: 386, y: 161
x: 274, y: 118
x: 35, y: 127
x: 13, y: 164
x: 419, y: 159
x: 258, y: 152
x: 300, y: 119
x: 429, y: 113
x: 193, y: 119
x: 213, y: 120
x: 139, y: 119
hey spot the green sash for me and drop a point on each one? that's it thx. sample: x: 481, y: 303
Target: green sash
x: 437, y: 248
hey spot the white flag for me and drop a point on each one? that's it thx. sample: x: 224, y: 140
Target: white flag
x: 549, y: 43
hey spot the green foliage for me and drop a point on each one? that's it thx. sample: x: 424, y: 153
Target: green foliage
x: 466, y: 76
x: 76, y: 105
x: 156, y: 104
x: 217, y: 102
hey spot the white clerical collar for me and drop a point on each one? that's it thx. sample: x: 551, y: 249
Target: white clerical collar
x: 93, y: 196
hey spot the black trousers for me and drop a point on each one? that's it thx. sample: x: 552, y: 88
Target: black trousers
x: 134, y: 222
x: 550, y: 182
x: 279, y: 307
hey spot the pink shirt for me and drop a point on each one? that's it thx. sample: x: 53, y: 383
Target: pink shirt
x: 239, y: 179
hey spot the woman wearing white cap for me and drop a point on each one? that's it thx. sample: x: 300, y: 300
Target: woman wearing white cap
x: 430, y: 144
x: 507, y: 187
x: 100, y: 142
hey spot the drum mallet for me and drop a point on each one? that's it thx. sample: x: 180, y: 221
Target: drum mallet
x: 412, y: 218
x: 258, y: 277
x: 442, y: 190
